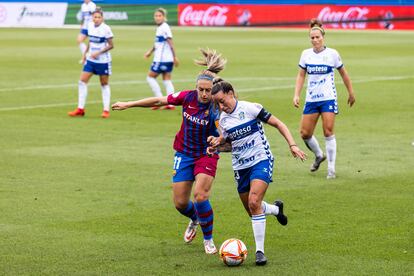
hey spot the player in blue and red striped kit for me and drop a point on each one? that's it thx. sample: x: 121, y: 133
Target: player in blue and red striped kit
x: 192, y: 164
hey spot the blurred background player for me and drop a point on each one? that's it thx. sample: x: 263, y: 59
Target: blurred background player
x: 164, y: 57
x: 319, y: 63
x: 191, y: 162
x: 240, y: 124
x: 87, y: 8
x: 98, y: 62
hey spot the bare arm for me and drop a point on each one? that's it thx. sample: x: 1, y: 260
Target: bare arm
x: 300, y: 79
x: 149, y: 52
x: 348, y: 84
x: 284, y: 131
x: 170, y: 42
x: 147, y: 102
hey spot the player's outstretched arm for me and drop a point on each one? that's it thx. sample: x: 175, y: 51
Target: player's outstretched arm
x: 147, y: 102
x: 300, y: 79
x: 283, y: 129
x: 347, y: 81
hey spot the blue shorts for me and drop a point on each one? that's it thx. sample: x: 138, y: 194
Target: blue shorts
x: 186, y: 167
x: 84, y: 32
x: 320, y: 107
x: 98, y: 68
x: 262, y: 170
x: 162, y: 67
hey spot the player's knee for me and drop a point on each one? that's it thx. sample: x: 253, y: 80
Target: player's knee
x: 327, y: 132
x: 200, y: 196
x: 180, y: 204
x: 305, y: 134
x: 254, y: 204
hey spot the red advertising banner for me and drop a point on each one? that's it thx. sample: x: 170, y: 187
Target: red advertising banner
x: 340, y: 17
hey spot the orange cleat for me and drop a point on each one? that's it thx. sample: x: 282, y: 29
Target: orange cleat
x: 168, y: 107
x: 105, y: 114
x: 79, y: 112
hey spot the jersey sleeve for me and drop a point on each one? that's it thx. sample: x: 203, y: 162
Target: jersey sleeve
x: 177, y: 98
x: 257, y: 111
x: 167, y: 31
x: 337, y: 60
x: 108, y: 33
x: 302, y: 63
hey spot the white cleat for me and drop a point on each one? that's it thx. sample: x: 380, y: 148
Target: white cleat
x: 191, y: 231
x: 331, y: 175
x: 209, y: 247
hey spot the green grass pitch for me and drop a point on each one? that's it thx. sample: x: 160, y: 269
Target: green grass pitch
x: 88, y: 196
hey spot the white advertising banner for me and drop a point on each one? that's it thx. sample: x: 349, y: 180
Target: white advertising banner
x: 32, y: 14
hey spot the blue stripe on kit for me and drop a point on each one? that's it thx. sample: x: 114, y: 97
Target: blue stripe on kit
x: 258, y: 217
x: 318, y: 69
x: 160, y: 39
x: 96, y: 39
x: 243, y: 130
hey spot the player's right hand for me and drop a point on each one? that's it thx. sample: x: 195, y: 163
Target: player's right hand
x: 119, y: 106
x: 296, y: 100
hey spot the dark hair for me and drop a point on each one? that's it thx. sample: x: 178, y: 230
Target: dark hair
x: 316, y: 24
x: 221, y: 85
x: 98, y: 10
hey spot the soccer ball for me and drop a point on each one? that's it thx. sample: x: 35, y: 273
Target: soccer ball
x: 233, y: 252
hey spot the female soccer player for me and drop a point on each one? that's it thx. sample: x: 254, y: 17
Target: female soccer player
x: 191, y: 163
x: 319, y: 62
x: 240, y: 124
x: 164, y: 57
x: 98, y: 62
x: 87, y: 8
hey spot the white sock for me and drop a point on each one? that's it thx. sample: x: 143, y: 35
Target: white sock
x: 270, y: 209
x: 313, y: 145
x: 259, y: 230
x: 154, y: 86
x: 82, y: 94
x: 82, y: 47
x: 106, y: 96
x: 330, y: 143
x: 169, y: 87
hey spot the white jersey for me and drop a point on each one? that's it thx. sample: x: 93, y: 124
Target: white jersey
x: 87, y: 10
x: 163, y: 52
x: 98, y: 39
x: 321, y: 75
x: 246, y: 134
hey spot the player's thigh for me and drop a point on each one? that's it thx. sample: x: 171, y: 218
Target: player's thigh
x: 202, y: 186
x: 328, y: 123
x: 85, y: 76
x: 307, y: 125
x: 182, y: 192
x: 166, y: 76
x: 258, y: 189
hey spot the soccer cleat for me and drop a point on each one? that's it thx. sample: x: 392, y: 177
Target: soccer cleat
x: 155, y: 108
x: 260, y: 258
x: 318, y: 160
x: 209, y: 247
x: 331, y: 174
x: 79, y: 112
x: 168, y: 107
x: 281, y: 217
x: 105, y: 114
x: 191, y: 231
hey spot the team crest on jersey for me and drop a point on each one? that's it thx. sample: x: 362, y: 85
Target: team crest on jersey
x: 241, y: 115
x: 174, y: 172
x: 206, y: 112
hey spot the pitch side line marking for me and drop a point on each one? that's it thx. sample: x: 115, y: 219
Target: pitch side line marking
x: 266, y: 88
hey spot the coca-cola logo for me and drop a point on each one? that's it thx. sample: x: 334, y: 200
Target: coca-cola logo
x: 212, y: 16
x: 344, y: 18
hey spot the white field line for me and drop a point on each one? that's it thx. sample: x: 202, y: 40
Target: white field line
x: 265, y: 88
x: 74, y: 85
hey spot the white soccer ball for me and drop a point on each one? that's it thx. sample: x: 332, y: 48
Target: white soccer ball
x: 233, y: 252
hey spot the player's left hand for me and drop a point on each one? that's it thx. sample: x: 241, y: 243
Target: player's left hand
x: 298, y: 153
x: 176, y: 61
x: 351, y: 100
x: 120, y: 106
x: 211, y: 151
x: 94, y: 55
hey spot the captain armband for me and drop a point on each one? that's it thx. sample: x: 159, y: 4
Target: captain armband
x: 264, y: 115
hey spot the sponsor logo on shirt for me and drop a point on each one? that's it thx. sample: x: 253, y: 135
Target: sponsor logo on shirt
x: 241, y: 132
x: 195, y: 120
x: 243, y: 147
x: 318, y: 69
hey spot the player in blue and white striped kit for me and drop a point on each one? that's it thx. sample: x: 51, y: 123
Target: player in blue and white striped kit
x: 164, y: 57
x: 98, y: 62
x: 319, y: 62
x: 241, y: 125
x: 87, y: 8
